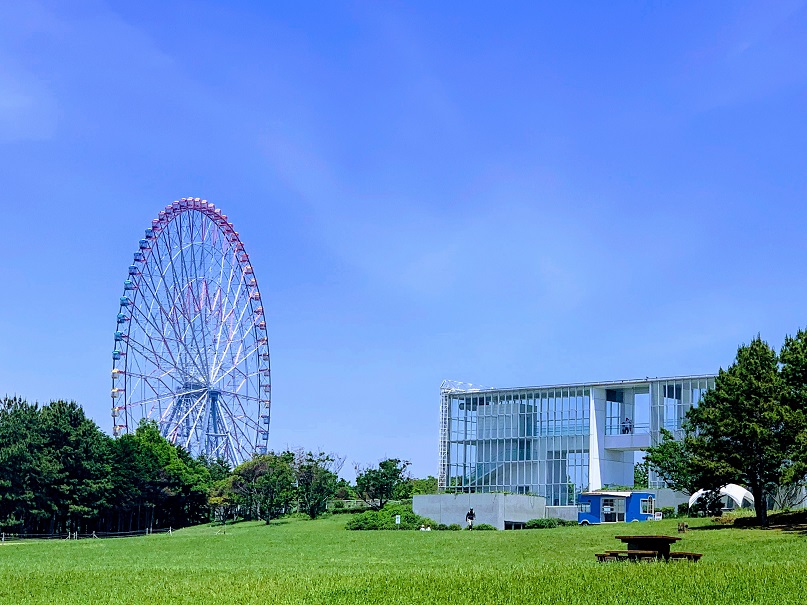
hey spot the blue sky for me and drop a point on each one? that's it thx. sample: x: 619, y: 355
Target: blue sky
x: 505, y: 194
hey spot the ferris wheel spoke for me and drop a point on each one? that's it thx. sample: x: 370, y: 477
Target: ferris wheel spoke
x: 190, y: 300
x: 179, y: 294
x: 225, y: 313
x: 240, y: 430
x: 153, y: 351
x: 231, y: 340
x: 234, y: 367
x: 192, y: 432
x: 149, y: 314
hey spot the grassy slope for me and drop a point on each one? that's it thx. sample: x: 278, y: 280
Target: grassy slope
x: 318, y: 562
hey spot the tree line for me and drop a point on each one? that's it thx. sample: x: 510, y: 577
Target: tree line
x: 751, y: 429
x: 60, y: 473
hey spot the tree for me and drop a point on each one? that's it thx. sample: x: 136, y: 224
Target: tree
x: 264, y: 486
x: 641, y: 474
x: 221, y: 500
x: 673, y: 463
x: 316, y: 481
x: 78, y: 454
x: 793, y: 360
x: 377, y: 486
x: 424, y: 486
x: 740, y: 430
x: 23, y: 476
x: 345, y: 491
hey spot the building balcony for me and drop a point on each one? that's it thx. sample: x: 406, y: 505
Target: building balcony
x: 627, y: 442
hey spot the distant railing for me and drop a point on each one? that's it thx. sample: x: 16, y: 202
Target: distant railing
x: 354, y: 504
x: 621, y: 428
x: 16, y: 537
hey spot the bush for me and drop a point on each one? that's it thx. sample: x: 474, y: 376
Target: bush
x: 541, y: 523
x: 668, y: 512
x: 348, y: 511
x: 548, y: 523
x: 454, y: 527
x: 385, y: 519
x: 484, y: 527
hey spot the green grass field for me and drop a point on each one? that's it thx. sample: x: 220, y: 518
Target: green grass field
x: 298, y: 561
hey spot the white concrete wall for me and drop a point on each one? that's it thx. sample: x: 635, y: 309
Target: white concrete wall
x: 493, y: 509
x: 617, y: 468
x: 568, y: 513
x: 596, y: 452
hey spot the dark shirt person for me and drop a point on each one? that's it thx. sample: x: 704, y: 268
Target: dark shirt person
x: 469, y: 518
x: 627, y: 427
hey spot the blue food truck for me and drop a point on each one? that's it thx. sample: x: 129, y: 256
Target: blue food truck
x: 615, y: 507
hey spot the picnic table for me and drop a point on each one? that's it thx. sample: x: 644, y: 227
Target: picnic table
x: 647, y: 548
x: 660, y: 544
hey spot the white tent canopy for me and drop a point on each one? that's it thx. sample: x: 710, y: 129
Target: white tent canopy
x: 732, y: 490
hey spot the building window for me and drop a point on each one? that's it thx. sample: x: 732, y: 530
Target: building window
x: 648, y: 506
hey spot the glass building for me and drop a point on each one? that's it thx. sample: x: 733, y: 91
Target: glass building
x: 557, y: 441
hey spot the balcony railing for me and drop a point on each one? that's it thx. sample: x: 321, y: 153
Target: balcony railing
x: 623, y: 428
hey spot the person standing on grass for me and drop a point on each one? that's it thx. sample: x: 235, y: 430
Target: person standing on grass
x: 469, y: 518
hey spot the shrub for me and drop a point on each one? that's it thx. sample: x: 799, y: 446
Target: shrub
x: 668, y: 512
x: 548, y: 523
x: 385, y: 519
x: 541, y: 523
x: 348, y: 511
x: 484, y: 527
x: 454, y: 527
x: 441, y: 527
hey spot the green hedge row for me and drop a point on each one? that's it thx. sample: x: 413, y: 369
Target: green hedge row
x: 548, y: 523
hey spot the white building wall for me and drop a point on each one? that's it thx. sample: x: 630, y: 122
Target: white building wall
x: 493, y: 509
x: 596, y: 439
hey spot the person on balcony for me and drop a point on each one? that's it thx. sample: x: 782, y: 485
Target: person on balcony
x: 627, y: 427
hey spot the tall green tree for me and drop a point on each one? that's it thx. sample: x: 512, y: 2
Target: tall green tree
x: 673, y: 462
x: 377, y: 486
x: 316, y: 482
x: 793, y: 360
x: 641, y: 474
x: 345, y: 491
x: 265, y: 486
x: 23, y: 475
x: 740, y: 429
x: 78, y: 454
x: 424, y: 486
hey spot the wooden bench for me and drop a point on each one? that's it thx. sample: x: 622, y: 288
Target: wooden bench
x: 689, y: 556
x: 627, y: 555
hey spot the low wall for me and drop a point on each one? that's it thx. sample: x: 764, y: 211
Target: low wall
x: 569, y: 513
x: 667, y: 497
x: 493, y: 509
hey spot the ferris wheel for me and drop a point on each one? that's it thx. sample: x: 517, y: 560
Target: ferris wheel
x: 191, y: 350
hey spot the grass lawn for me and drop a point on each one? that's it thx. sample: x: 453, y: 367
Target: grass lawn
x: 299, y: 561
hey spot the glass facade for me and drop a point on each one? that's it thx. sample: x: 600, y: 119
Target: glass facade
x: 669, y: 401
x: 538, y: 440
x: 526, y: 441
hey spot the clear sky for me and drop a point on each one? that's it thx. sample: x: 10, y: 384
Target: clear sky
x: 507, y: 194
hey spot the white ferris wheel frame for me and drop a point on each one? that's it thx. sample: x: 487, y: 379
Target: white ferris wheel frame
x: 191, y: 350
